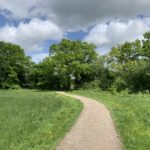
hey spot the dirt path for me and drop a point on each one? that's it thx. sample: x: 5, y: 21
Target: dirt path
x: 94, y: 129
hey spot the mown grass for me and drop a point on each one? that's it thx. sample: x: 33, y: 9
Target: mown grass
x: 34, y: 120
x: 131, y: 115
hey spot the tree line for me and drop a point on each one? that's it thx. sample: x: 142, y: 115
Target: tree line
x: 76, y: 64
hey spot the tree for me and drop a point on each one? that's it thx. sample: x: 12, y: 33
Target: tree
x: 146, y: 46
x: 13, y: 64
x: 71, y: 63
x: 129, y: 64
x: 138, y: 76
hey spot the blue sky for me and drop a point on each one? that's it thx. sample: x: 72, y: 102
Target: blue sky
x: 35, y: 25
x: 2, y: 21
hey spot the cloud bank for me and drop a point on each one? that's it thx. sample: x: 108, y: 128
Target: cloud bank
x: 31, y: 35
x: 105, y: 35
x: 73, y: 13
x: 106, y: 22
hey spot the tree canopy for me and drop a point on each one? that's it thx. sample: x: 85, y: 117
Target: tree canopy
x: 14, y: 66
x: 70, y: 64
x: 76, y: 64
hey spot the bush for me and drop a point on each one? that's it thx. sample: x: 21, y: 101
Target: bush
x: 91, y: 85
x: 7, y: 85
x: 15, y: 86
x: 119, y: 84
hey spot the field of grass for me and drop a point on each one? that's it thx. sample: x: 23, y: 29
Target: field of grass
x: 34, y: 120
x: 131, y: 115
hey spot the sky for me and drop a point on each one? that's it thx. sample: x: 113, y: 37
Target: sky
x: 37, y: 24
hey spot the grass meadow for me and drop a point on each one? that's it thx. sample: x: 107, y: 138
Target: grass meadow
x: 131, y: 115
x: 34, y: 120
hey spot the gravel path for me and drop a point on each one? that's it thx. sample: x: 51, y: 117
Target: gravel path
x: 94, y: 129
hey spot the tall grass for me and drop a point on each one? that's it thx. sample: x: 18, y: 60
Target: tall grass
x: 34, y: 120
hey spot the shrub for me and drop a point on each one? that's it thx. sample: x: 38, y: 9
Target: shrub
x: 91, y: 85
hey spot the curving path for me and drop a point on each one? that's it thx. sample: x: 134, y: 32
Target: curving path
x: 94, y: 129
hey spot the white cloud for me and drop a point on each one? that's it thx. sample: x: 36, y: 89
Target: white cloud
x: 117, y: 32
x: 73, y: 15
x: 39, y: 57
x: 31, y: 35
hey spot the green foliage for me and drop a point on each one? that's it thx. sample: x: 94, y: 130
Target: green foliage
x: 75, y: 64
x: 146, y: 45
x: 118, y: 85
x: 138, y: 76
x: 91, y: 85
x: 129, y: 64
x: 71, y: 63
x: 34, y: 120
x: 14, y: 65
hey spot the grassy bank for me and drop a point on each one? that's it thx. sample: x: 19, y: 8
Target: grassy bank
x: 34, y: 120
x: 131, y: 114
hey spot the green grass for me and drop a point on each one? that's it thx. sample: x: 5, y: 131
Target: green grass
x: 131, y: 115
x: 34, y: 120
